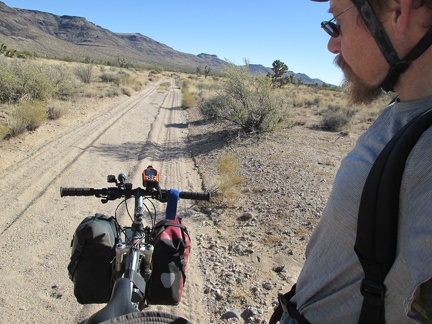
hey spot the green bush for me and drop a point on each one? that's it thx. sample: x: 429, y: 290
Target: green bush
x: 24, y: 81
x: 248, y: 101
x: 210, y: 107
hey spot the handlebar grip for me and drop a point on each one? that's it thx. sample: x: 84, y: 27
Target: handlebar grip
x: 195, y: 195
x: 77, y: 192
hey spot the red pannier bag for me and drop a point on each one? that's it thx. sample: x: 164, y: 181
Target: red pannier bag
x: 171, y: 242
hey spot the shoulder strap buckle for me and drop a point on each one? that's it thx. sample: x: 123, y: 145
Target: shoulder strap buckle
x: 373, y: 292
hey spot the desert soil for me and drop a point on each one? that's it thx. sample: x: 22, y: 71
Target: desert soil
x: 242, y: 254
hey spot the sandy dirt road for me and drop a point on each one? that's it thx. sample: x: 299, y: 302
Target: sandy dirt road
x: 36, y: 225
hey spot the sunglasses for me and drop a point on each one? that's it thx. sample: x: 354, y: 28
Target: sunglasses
x: 332, y: 28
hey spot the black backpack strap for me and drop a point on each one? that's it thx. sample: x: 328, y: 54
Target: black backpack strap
x: 285, y: 305
x: 377, y: 226
x: 277, y: 314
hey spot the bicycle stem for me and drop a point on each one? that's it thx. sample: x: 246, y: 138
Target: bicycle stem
x: 139, y: 209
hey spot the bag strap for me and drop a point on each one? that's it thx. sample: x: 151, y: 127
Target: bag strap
x: 73, y: 263
x: 377, y: 225
x: 171, y: 209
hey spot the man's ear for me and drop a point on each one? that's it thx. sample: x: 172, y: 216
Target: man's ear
x: 402, y: 14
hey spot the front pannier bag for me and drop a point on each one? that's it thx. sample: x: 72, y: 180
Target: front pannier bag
x: 171, y: 243
x: 91, y: 263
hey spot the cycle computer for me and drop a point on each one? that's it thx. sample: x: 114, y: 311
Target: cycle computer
x: 150, y: 177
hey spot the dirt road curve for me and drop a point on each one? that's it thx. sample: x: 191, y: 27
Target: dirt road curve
x: 36, y: 225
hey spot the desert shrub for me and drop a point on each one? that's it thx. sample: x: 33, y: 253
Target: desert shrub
x: 26, y: 116
x: 84, y: 73
x: 90, y: 93
x: 62, y: 78
x: 248, y: 101
x: 334, y: 121
x: 127, y: 91
x: 349, y: 112
x: 188, y: 100
x: 186, y: 83
x: 56, y: 109
x: 109, y: 78
x: 16, y: 126
x: 310, y: 102
x: 22, y: 81
x: 131, y: 82
x: 123, y: 75
x: 210, y: 108
x: 337, y: 118
x: 112, y: 92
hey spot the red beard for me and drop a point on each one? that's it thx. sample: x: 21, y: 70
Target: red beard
x: 359, y: 92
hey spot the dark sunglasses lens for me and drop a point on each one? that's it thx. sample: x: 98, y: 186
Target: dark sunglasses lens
x: 330, y: 28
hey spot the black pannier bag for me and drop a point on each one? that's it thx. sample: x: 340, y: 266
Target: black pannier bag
x: 91, y: 263
x: 171, y: 243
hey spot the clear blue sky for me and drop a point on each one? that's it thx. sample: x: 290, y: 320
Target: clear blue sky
x: 262, y: 32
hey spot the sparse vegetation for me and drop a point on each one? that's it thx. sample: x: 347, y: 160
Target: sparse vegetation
x: 238, y: 98
x: 6, y: 52
x: 85, y: 72
x: 56, y: 109
x: 27, y: 116
x: 188, y: 99
x: 230, y: 180
x: 334, y: 121
x: 33, y: 91
x: 22, y: 81
x: 247, y: 101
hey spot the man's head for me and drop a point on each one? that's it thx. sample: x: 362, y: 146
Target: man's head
x: 377, y: 42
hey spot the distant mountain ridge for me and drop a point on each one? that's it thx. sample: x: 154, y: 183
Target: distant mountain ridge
x: 75, y: 37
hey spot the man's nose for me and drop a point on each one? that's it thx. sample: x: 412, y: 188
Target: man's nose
x: 334, y: 45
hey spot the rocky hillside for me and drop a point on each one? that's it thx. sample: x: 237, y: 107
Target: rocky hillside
x: 77, y: 38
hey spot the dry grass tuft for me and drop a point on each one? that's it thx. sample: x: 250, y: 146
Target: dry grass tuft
x: 230, y: 180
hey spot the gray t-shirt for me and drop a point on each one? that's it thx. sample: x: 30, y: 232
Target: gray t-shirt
x: 328, y: 288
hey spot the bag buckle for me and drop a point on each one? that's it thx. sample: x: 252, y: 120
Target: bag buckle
x: 283, y: 302
x: 373, y: 292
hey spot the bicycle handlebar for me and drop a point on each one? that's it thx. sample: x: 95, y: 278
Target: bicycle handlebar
x: 116, y: 193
